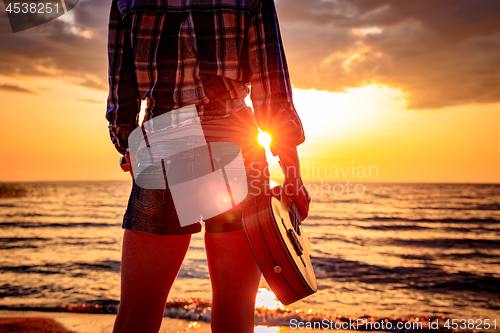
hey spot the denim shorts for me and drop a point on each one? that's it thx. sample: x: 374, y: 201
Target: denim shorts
x: 153, y: 210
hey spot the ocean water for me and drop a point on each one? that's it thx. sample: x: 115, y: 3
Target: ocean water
x: 395, y: 251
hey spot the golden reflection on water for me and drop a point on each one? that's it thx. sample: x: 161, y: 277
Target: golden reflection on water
x: 266, y: 329
x: 193, y: 325
x: 266, y: 299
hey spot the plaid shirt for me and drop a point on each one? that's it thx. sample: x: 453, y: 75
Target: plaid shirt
x: 204, y: 52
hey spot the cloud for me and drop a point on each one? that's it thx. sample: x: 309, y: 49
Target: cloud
x: 439, y: 53
x: 92, y: 83
x: 72, y: 46
x: 91, y: 101
x: 14, y: 88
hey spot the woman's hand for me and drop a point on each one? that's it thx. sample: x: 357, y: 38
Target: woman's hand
x: 295, y: 189
x: 126, y: 165
x: 293, y: 184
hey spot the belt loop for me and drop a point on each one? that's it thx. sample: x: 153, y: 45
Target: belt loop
x: 190, y: 140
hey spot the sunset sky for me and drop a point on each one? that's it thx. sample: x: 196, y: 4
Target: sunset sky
x: 409, y: 88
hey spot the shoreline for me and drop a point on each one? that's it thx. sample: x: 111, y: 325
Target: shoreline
x: 73, y: 322
x: 98, y: 319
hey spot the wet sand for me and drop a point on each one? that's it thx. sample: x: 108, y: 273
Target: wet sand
x: 65, y: 322
x: 30, y: 325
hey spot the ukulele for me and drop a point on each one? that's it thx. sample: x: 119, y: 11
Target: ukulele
x: 280, y: 246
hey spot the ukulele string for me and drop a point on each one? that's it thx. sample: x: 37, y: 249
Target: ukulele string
x: 295, y: 217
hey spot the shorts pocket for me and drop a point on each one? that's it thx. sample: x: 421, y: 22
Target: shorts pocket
x: 148, y: 199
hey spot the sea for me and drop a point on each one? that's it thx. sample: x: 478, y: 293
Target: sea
x: 414, y: 252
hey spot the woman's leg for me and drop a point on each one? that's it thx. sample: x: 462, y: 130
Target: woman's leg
x: 150, y: 264
x: 235, y: 277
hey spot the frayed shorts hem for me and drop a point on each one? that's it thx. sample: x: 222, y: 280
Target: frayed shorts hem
x: 149, y: 228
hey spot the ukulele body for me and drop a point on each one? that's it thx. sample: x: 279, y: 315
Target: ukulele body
x: 281, y: 247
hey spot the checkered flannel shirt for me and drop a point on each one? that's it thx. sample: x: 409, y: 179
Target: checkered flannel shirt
x: 204, y: 52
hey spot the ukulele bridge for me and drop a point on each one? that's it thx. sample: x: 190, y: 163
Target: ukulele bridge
x: 295, y: 241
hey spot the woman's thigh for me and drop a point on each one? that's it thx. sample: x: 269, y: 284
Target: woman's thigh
x: 148, y: 261
x: 150, y: 264
x: 235, y: 278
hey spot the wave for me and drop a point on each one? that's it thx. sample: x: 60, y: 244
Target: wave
x: 8, y: 243
x: 445, y: 220
x: 391, y: 227
x: 431, y: 243
x: 403, y: 219
x: 56, y: 225
x: 492, y: 207
x: 446, y: 243
x: 386, y: 227
x: 66, y: 268
x: 429, y: 278
x: 406, y: 227
x: 80, y: 214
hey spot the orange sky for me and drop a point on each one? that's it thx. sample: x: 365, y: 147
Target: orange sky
x: 409, y: 119
x: 56, y: 135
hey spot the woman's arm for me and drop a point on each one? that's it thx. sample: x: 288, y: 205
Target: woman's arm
x: 271, y: 90
x: 271, y: 94
x: 123, y: 100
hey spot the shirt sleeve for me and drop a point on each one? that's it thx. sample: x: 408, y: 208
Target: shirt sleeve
x: 271, y: 90
x: 123, y: 104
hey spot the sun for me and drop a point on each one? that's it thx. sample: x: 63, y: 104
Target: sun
x: 264, y: 139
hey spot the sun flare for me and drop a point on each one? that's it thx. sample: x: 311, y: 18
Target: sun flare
x: 264, y: 139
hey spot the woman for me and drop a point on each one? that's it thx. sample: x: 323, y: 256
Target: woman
x: 204, y: 54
